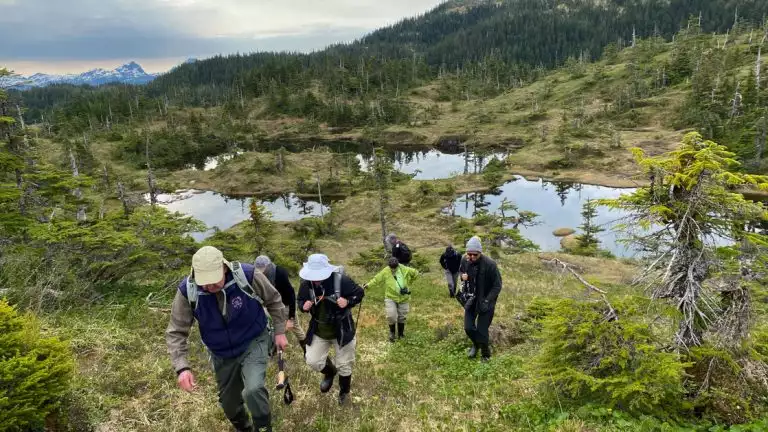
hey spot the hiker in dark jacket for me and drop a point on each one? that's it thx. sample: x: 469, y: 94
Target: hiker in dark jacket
x: 222, y: 298
x: 398, y: 249
x: 480, y: 277
x: 328, y: 295
x: 279, y: 278
x: 450, y: 260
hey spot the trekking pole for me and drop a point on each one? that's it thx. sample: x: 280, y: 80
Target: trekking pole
x: 359, y: 309
x: 282, y: 379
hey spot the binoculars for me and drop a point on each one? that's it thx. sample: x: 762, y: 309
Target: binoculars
x: 404, y: 291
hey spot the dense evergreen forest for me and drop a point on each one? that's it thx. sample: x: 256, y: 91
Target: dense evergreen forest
x: 663, y: 50
x: 361, y: 83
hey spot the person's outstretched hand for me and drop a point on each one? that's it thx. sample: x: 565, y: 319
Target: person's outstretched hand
x: 187, y: 381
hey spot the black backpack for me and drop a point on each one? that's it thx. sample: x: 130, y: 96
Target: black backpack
x: 404, y: 254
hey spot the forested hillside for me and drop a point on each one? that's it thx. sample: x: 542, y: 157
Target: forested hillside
x: 508, y: 40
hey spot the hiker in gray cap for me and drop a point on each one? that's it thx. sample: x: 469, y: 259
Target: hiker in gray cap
x: 398, y: 249
x: 279, y: 278
x: 481, y: 283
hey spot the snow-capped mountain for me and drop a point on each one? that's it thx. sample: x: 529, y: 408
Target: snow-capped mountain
x: 129, y: 73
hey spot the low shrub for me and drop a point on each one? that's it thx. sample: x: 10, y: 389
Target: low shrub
x: 588, y: 358
x: 35, y: 371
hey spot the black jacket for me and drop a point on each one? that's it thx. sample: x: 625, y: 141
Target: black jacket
x: 451, y: 260
x: 484, y: 279
x: 345, y: 326
x: 284, y: 287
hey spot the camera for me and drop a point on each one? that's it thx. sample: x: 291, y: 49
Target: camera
x: 464, y: 298
x: 404, y: 291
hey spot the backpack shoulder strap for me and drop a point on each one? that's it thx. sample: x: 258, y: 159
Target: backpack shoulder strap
x: 337, y: 281
x: 238, y: 274
x: 192, y: 292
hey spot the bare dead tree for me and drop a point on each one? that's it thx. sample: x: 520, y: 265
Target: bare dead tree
x: 736, y: 102
x: 106, y: 178
x: 123, y: 198
x: 150, y: 175
x: 77, y: 193
x: 21, y: 118
x: 381, y: 173
x: 634, y: 37
x: 320, y: 195
x: 759, y: 61
x: 760, y: 138
x: 279, y: 161
x: 610, y: 314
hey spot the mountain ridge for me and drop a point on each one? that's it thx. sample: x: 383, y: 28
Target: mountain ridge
x: 128, y: 73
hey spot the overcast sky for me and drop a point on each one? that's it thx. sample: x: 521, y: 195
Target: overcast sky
x: 58, y: 36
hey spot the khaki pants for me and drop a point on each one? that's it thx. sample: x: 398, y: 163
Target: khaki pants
x: 296, y: 330
x: 396, y: 312
x: 317, y: 353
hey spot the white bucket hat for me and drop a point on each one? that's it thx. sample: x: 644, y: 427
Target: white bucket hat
x: 317, y: 268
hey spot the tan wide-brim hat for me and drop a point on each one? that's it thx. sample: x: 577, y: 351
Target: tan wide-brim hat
x: 208, y: 265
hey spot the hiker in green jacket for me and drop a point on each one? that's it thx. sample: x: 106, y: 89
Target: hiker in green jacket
x: 396, y: 280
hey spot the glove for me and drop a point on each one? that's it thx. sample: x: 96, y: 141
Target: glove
x: 484, y: 307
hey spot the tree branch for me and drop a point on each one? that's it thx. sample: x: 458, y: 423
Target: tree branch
x: 611, y: 315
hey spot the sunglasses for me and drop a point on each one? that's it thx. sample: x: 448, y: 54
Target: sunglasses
x: 473, y: 254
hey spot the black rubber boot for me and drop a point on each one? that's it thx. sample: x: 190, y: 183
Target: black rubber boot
x: 391, y: 332
x: 262, y: 424
x: 485, y: 352
x: 400, y: 330
x: 242, y: 423
x: 303, y: 345
x: 329, y: 372
x: 472, y: 353
x: 345, y: 383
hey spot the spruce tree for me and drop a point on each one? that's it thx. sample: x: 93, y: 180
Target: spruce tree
x: 690, y: 208
x: 588, y: 240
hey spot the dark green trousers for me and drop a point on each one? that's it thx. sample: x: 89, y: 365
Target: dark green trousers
x: 242, y: 380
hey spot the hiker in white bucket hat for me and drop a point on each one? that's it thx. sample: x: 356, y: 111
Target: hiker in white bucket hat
x: 328, y: 295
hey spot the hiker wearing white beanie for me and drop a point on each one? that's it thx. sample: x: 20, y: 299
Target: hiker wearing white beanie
x: 481, y: 283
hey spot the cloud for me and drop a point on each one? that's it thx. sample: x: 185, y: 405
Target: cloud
x: 96, y: 29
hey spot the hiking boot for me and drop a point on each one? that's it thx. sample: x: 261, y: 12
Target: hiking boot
x: 400, y: 330
x: 329, y: 372
x: 392, y: 333
x: 472, y: 353
x: 485, y: 352
x: 345, y: 383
